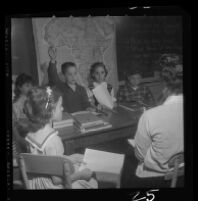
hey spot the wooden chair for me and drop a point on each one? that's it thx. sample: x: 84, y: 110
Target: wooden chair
x: 32, y: 165
x: 176, y: 168
x: 17, y: 179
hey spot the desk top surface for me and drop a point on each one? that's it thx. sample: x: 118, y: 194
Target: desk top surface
x: 119, y: 119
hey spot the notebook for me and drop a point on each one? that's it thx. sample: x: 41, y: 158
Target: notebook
x: 102, y: 162
x: 99, y: 127
x: 131, y: 106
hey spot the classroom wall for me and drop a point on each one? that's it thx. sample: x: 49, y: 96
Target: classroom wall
x: 113, y: 41
x: 140, y: 40
x: 22, y: 48
x: 83, y: 40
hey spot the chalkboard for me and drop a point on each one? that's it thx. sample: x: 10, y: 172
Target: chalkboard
x: 140, y: 40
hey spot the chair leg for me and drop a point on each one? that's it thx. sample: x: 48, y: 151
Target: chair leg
x: 23, y: 173
x: 174, y: 179
x: 67, y: 180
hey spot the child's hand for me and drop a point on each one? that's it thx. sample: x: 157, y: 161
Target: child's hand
x: 103, y: 107
x: 100, y: 107
x: 115, y: 104
x: 91, y: 109
x: 77, y: 158
x: 86, y: 174
x: 52, y: 51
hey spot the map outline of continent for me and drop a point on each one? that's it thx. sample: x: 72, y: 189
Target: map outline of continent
x: 81, y: 46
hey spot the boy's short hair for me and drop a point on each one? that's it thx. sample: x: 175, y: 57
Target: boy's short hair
x: 67, y: 65
x: 96, y: 65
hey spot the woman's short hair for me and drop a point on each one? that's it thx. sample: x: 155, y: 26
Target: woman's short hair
x: 94, y: 66
x: 20, y: 81
x: 172, y: 72
x: 67, y: 65
x: 39, y: 106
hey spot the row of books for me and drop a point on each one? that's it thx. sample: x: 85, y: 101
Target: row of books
x: 85, y: 121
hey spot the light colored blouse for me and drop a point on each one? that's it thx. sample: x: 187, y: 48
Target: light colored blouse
x: 159, y: 136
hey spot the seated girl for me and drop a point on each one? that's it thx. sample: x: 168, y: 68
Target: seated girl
x: 42, y: 107
x: 135, y: 92
x: 98, y: 74
x: 23, y: 85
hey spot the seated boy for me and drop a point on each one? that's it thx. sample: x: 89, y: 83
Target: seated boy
x: 135, y: 92
x: 74, y: 96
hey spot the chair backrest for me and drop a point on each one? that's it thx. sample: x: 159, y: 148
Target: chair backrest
x: 176, y: 168
x: 45, y: 165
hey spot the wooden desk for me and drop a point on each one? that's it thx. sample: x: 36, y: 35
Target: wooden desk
x: 123, y: 122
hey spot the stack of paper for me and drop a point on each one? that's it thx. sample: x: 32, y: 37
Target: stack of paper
x: 103, y: 162
x: 66, y: 121
x: 102, y: 95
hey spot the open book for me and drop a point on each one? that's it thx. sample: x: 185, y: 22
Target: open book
x: 103, y: 162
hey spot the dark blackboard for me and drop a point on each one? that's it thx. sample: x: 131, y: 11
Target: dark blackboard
x: 23, y: 48
x: 140, y: 40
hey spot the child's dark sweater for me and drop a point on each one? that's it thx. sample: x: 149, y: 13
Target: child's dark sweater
x: 73, y: 101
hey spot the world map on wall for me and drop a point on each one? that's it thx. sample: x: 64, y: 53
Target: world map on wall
x: 87, y: 38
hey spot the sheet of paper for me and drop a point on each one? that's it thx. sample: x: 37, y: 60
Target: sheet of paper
x: 80, y: 112
x: 127, y: 108
x: 100, y: 161
x: 102, y: 95
x: 131, y: 142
